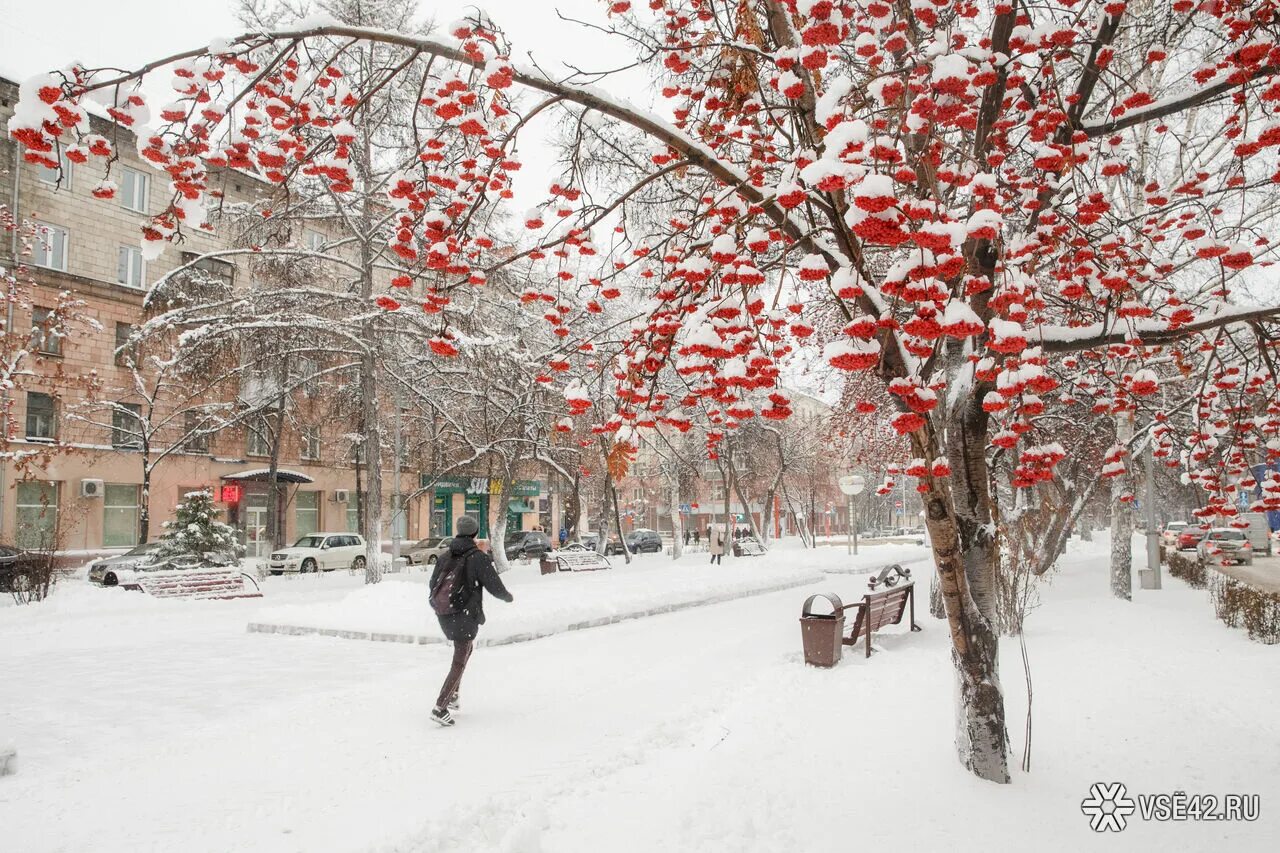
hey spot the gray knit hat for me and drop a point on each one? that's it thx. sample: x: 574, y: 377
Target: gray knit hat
x: 467, y: 526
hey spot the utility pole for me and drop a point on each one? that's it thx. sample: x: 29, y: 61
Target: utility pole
x: 398, y: 513
x: 852, y: 485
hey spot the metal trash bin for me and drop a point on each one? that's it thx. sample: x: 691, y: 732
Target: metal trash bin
x: 823, y: 633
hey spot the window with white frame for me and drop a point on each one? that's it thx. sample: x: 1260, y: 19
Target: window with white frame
x: 130, y: 268
x: 44, y: 332
x: 42, y: 416
x: 197, y: 440
x: 256, y: 441
x: 119, y: 515
x: 126, y: 426
x: 311, y: 443
x: 49, y: 248
x: 134, y: 189
x: 312, y: 241
x: 45, y: 175
x: 306, y: 507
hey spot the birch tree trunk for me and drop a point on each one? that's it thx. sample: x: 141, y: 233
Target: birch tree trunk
x: 1122, y: 520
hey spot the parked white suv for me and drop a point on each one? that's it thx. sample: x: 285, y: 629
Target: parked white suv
x: 320, y: 552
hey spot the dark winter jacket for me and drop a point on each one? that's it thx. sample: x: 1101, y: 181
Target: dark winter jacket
x: 478, y: 576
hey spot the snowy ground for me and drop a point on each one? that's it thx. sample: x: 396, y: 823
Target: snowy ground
x: 147, y: 725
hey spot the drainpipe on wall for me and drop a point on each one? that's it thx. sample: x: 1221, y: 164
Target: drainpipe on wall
x: 8, y: 324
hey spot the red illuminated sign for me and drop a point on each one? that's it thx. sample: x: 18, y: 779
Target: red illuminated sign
x: 231, y: 494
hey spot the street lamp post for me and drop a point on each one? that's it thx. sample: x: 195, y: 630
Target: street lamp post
x: 852, y: 485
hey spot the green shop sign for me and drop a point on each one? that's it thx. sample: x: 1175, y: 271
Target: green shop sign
x: 479, y: 486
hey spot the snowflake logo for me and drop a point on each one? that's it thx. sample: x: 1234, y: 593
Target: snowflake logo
x: 1107, y: 807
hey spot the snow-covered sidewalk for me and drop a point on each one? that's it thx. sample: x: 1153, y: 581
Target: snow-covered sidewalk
x: 147, y: 725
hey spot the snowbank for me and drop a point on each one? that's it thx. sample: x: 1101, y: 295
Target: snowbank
x: 397, y: 609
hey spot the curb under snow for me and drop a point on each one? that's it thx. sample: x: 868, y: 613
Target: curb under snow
x: 435, y: 639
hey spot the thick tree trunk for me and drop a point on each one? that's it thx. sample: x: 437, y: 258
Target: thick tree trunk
x: 498, y: 531
x: 965, y: 554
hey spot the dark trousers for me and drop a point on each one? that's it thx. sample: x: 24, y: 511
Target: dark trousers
x: 452, y: 681
x: 715, y: 558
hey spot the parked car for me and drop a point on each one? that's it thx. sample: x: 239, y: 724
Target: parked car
x: 105, y: 572
x: 1169, y: 536
x: 644, y: 542
x: 427, y: 551
x: 21, y: 570
x: 1226, y: 544
x: 1259, y: 532
x: 320, y: 552
x: 1190, y: 537
x: 612, y: 547
x: 527, y: 544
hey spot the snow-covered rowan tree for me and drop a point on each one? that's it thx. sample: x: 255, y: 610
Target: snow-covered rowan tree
x: 946, y: 175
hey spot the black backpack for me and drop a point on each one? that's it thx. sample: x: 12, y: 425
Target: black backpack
x: 452, y: 589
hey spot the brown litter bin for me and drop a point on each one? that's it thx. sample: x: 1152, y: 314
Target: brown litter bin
x: 547, y: 564
x: 822, y: 632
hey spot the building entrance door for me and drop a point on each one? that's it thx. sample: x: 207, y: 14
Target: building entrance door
x: 255, y: 525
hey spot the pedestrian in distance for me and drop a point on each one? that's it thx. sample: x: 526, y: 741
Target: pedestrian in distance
x: 457, y: 587
x: 697, y: 538
x: 686, y: 538
x: 564, y: 536
x: 716, y: 535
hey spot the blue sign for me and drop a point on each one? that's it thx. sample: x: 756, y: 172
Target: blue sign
x: 686, y: 508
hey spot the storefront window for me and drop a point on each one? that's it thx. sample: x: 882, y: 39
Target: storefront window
x: 306, y: 513
x: 36, y: 503
x: 120, y: 516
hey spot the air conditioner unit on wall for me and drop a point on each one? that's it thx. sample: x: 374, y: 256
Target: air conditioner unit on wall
x: 90, y: 488
x: 341, y: 496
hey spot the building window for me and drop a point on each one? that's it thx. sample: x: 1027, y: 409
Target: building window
x: 306, y: 375
x: 306, y: 507
x: 311, y: 443
x: 126, y: 353
x: 130, y: 267
x: 44, y: 332
x: 134, y: 187
x: 196, y: 441
x: 126, y: 426
x: 36, y: 507
x: 353, y: 512
x: 206, y: 269
x: 312, y: 240
x: 256, y: 442
x: 49, y: 248
x: 45, y: 175
x: 119, y: 516
x: 42, y: 416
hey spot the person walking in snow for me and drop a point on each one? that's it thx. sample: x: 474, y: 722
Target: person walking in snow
x: 457, y: 596
x: 697, y: 538
x: 715, y: 543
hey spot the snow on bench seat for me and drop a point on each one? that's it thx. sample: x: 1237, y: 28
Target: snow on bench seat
x: 197, y: 583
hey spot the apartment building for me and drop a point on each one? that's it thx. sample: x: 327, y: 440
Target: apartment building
x: 88, y: 496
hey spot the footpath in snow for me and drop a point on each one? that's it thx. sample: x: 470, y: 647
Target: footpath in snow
x: 397, y: 610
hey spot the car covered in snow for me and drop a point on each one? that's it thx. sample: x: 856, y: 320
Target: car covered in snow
x: 1226, y: 545
x: 105, y: 571
x: 317, y: 552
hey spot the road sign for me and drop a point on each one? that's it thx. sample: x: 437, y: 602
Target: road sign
x: 897, y: 504
x: 853, y: 484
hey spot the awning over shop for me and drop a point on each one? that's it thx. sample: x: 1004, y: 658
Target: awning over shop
x: 262, y: 474
x: 520, y: 506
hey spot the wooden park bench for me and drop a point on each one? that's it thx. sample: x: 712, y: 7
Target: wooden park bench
x: 748, y: 547
x: 883, y: 606
x: 573, y: 558
x: 227, y: 582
